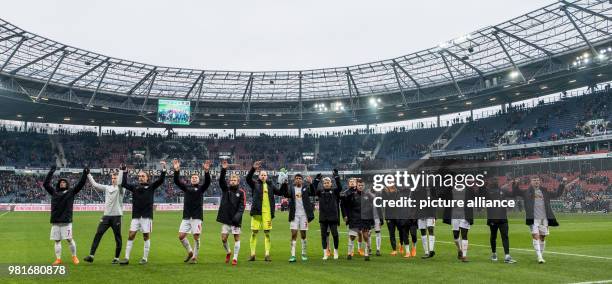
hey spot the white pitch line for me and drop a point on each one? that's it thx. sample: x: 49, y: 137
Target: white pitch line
x: 525, y: 250
x: 4, y: 213
x: 594, y: 282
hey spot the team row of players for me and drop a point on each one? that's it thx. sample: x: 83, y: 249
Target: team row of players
x: 354, y: 204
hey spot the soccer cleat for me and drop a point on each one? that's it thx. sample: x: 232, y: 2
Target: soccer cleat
x: 349, y: 256
x: 401, y: 249
x: 360, y: 251
x: 75, y: 260
x: 234, y: 261
x: 252, y: 258
x: 267, y: 258
x: 432, y: 253
x: 366, y: 258
x: 325, y: 257
x: 425, y: 256
x: 189, y: 256
x: 228, y: 256
x: 292, y: 259
x: 541, y: 260
x: 459, y: 255
x: 304, y: 257
x: 464, y: 259
x: 335, y: 254
x: 193, y: 261
x: 378, y: 253
x: 493, y: 257
x: 125, y: 261
x: 89, y: 258
x: 393, y: 253
x: 509, y: 260
x: 143, y: 261
x: 115, y: 261
x: 407, y: 255
x: 413, y: 251
x: 57, y: 262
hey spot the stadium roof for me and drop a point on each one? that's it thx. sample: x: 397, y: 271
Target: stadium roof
x: 555, y: 29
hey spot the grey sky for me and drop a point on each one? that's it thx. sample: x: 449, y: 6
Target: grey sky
x: 258, y: 35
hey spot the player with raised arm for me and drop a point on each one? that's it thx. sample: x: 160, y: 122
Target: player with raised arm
x: 538, y: 212
x: 62, y: 201
x: 301, y: 212
x: 143, y: 195
x: 329, y: 210
x: 113, y: 211
x: 233, y: 202
x: 262, y: 208
x: 192, y: 208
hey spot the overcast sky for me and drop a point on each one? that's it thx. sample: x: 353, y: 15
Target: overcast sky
x: 258, y: 35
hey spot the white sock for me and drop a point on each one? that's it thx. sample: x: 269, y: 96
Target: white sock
x: 424, y: 242
x: 335, y: 252
x: 236, y: 249
x: 226, y: 247
x: 73, y: 247
x: 406, y: 249
x: 147, y: 247
x: 351, y: 246
x: 304, y: 243
x: 186, y: 245
x: 458, y: 244
x: 542, y: 247
x: 536, y: 247
x: 58, y: 250
x: 292, y: 248
x: 359, y: 245
x: 464, y: 247
x: 378, y: 240
x: 432, y: 242
x: 367, y: 248
x: 128, y: 248
x: 196, y: 249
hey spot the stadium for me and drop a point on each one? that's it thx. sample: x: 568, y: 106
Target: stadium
x: 528, y: 97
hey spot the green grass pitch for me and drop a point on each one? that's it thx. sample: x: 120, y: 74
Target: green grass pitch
x: 579, y: 250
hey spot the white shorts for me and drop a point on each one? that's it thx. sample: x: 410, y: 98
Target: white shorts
x: 191, y: 226
x: 376, y: 225
x: 353, y: 232
x: 299, y: 223
x: 61, y: 231
x: 144, y: 225
x: 539, y: 227
x: 460, y: 223
x: 425, y: 223
x: 227, y: 229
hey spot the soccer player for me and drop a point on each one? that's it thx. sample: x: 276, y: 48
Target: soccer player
x: 539, y: 213
x: 329, y: 202
x: 62, y: 201
x: 142, y: 211
x: 460, y: 218
x: 233, y: 202
x: 392, y: 214
x: 301, y: 212
x: 378, y: 222
x: 113, y: 211
x: 262, y: 208
x: 427, y: 221
x: 192, y: 209
x: 357, y: 211
x: 497, y: 218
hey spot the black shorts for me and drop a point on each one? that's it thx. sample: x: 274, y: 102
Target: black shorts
x: 361, y: 224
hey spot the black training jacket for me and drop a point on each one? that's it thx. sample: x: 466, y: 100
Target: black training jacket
x: 62, y: 200
x: 257, y: 193
x: 143, y: 196
x: 233, y: 202
x: 192, y: 203
x: 289, y: 192
x: 528, y: 197
x: 329, y: 201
